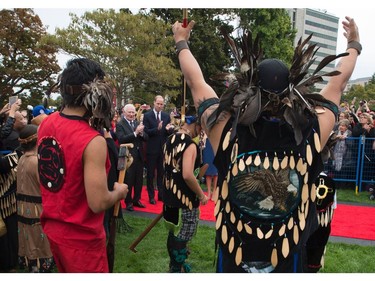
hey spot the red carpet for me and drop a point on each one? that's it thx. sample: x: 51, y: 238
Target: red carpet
x: 348, y: 220
x: 207, y: 211
x: 354, y: 222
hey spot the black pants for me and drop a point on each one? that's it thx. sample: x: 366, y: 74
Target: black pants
x: 134, y: 180
x: 9, y: 245
x: 154, y: 162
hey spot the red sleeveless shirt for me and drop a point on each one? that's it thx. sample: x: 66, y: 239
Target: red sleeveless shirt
x: 66, y: 217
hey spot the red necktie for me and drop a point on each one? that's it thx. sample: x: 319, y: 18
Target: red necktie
x: 157, y: 117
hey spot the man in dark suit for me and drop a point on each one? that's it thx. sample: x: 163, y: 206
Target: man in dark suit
x: 129, y: 130
x: 157, y: 126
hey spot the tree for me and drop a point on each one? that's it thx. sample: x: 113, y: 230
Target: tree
x: 205, y: 42
x: 209, y: 47
x: 27, y: 66
x: 132, y: 49
x: 274, y: 28
x: 362, y: 93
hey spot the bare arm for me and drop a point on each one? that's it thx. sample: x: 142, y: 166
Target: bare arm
x: 336, y: 85
x: 190, y: 155
x: 199, y: 88
x: 99, y: 198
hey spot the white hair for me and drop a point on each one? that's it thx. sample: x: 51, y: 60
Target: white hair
x: 129, y: 106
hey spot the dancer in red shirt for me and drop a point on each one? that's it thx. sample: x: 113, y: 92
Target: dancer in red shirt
x: 73, y: 165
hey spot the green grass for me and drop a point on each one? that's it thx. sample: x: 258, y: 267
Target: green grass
x: 344, y: 258
x: 349, y: 195
x: 152, y: 256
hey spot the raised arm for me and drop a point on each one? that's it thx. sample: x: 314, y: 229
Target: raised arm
x: 189, y: 65
x: 346, y: 65
x: 200, y: 90
x: 336, y: 85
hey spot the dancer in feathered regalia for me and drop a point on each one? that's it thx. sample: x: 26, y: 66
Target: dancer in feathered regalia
x: 267, y: 131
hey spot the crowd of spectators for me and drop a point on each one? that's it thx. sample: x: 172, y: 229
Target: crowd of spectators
x: 355, y: 143
x: 23, y: 245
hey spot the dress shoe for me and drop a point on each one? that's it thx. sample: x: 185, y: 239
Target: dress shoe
x: 139, y: 204
x: 130, y: 208
x: 152, y: 201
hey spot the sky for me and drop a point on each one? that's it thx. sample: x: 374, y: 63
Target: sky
x: 57, y: 15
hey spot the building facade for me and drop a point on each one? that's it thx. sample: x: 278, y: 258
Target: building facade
x: 324, y: 27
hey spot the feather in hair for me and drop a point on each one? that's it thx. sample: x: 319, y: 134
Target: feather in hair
x: 98, y: 101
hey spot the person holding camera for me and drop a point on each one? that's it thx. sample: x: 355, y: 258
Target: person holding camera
x: 8, y: 117
x: 362, y: 108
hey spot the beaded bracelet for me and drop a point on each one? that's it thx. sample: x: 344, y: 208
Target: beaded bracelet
x: 355, y: 45
x: 180, y: 45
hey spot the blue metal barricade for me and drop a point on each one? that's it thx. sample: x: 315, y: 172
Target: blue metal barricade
x: 355, y: 167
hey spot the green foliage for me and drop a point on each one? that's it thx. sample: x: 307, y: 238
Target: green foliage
x: 366, y: 92
x: 133, y: 50
x: 27, y: 65
x: 137, y: 51
x: 212, y: 52
x: 205, y: 43
x: 274, y: 28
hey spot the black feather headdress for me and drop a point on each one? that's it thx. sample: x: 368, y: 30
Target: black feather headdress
x: 246, y: 100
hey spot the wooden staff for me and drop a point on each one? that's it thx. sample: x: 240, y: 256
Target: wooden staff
x: 122, y: 165
x: 124, y: 161
x: 184, y: 24
x: 145, y: 232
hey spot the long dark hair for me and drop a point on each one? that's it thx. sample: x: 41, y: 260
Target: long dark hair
x: 82, y: 83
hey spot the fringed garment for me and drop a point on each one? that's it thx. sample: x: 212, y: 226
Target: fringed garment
x: 34, y: 249
x: 8, y: 212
